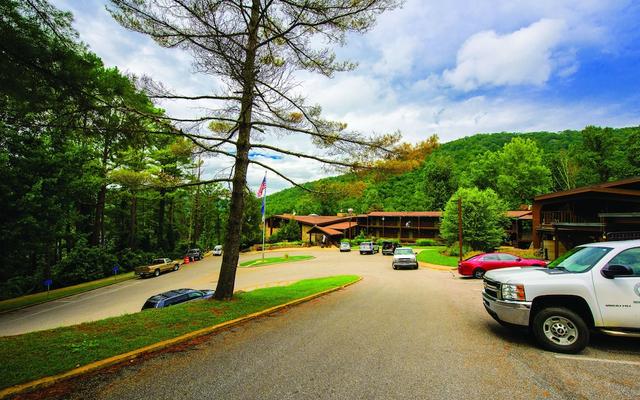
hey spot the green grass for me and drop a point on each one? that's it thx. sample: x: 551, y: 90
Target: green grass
x: 43, y: 297
x: 38, y: 354
x: 274, y: 260
x: 432, y: 255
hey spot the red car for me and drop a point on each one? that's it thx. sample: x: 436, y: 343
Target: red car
x: 476, y: 266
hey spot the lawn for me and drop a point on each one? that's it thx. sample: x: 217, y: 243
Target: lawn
x: 432, y: 255
x: 274, y: 260
x: 43, y: 297
x: 38, y: 354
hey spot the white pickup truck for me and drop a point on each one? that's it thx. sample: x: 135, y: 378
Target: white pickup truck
x: 592, y: 287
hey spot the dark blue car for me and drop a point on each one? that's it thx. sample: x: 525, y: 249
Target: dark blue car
x: 176, y: 296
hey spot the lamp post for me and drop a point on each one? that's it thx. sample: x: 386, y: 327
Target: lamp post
x: 350, y: 211
x: 382, y: 226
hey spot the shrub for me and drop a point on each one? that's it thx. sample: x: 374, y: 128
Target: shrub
x: 379, y: 241
x: 471, y: 254
x: 522, y: 253
x: 454, y: 249
x: 83, y: 264
x: 128, y: 259
x: 426, y: 242
x: 18, y: 286
x: 289, y: 231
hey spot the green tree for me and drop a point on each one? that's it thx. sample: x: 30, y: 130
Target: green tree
x: 633, y: 151
x: 255, y: 47
x: 599, y: 155
x: 439, y: 180
x: 517, y: 172
x: 522, y: 173
x: 483, y: 219
x: 290, y: 231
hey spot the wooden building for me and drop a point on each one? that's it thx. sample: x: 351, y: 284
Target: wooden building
x: 314, y: 227
x: 608, y: 211
x: 406, y: 226
x: 519, y: 231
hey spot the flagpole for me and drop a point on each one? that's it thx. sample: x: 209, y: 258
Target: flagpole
x: 264, y: 214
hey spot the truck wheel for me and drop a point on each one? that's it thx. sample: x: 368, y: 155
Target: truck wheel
x: 478, y: 273
x: 156, y: 273
x: 561, y: 330
x: 176, y: 267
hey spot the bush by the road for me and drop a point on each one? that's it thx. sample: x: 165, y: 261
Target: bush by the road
x: 426, y: 242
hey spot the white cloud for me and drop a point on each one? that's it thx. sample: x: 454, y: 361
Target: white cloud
x: 521, y: 57
x: 401, y: 82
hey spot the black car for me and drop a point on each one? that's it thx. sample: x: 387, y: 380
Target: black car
x: 176, y: 296
x: 194, y: 255
x: 388, y: 248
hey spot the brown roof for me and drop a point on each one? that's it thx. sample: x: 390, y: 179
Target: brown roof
x: 607, y: 188
x: 341, y: 225
x: 314, y: 219
x: 325, y: 230
x: 433, y: 214
x: 518, y: 214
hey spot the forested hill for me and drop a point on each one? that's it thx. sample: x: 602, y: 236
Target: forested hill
x: 567, y: 159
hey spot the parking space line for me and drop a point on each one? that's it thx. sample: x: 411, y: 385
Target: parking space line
x: 579, y: 358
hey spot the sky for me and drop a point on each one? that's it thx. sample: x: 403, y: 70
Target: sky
x: 452, y: 68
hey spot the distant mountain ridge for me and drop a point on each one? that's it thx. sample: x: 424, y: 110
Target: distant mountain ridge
x: 406, y: 191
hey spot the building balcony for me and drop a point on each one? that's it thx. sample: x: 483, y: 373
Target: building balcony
x: 565, y: 217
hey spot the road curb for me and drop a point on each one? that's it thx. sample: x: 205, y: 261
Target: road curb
x: 435, y: 266
x: 50, y: 380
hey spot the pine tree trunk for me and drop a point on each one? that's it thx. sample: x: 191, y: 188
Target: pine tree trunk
x: 97, y: 234
x: 160, y: 232
x: 133, y: 221
x: 226, y: 280
x: 98, y: 217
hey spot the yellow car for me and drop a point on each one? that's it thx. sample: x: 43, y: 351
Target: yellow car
x: 157, y: 266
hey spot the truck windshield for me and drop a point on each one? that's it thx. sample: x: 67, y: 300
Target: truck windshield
x: 580, y: 259
x: 404, y: 251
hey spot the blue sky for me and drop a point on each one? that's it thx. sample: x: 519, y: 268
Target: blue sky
x: 452, y: 68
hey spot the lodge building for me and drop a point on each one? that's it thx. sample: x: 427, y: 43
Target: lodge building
x: 608, y: 211
x: 405, y: 226
x: 555, y: 223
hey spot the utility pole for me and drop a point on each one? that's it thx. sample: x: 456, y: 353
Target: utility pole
x: 460, y: 227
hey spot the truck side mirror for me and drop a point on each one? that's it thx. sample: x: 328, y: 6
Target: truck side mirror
x: 611, y: 271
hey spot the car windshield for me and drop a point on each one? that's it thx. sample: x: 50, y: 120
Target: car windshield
x: 580, y: 259
x: 404, y: 251
x: 149, y: 304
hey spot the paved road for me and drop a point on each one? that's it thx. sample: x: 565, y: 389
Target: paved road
x: 395, y: 335
x: 129, y: 296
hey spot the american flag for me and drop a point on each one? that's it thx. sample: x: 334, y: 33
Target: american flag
x: 263, y: 186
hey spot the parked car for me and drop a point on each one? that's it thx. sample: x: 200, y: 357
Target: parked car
x: 156, y: 267
x: 591, y: 287
x: 388, y: 248
x: 173, y: 297
x: 404, y: 257
x: 476, y: 266
x: 345, y: 246
x: 194, y: 255
x: 217, y: 250
x: 368, y: 247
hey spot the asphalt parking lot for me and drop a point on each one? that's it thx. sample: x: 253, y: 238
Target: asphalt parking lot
x: 397, y: 334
